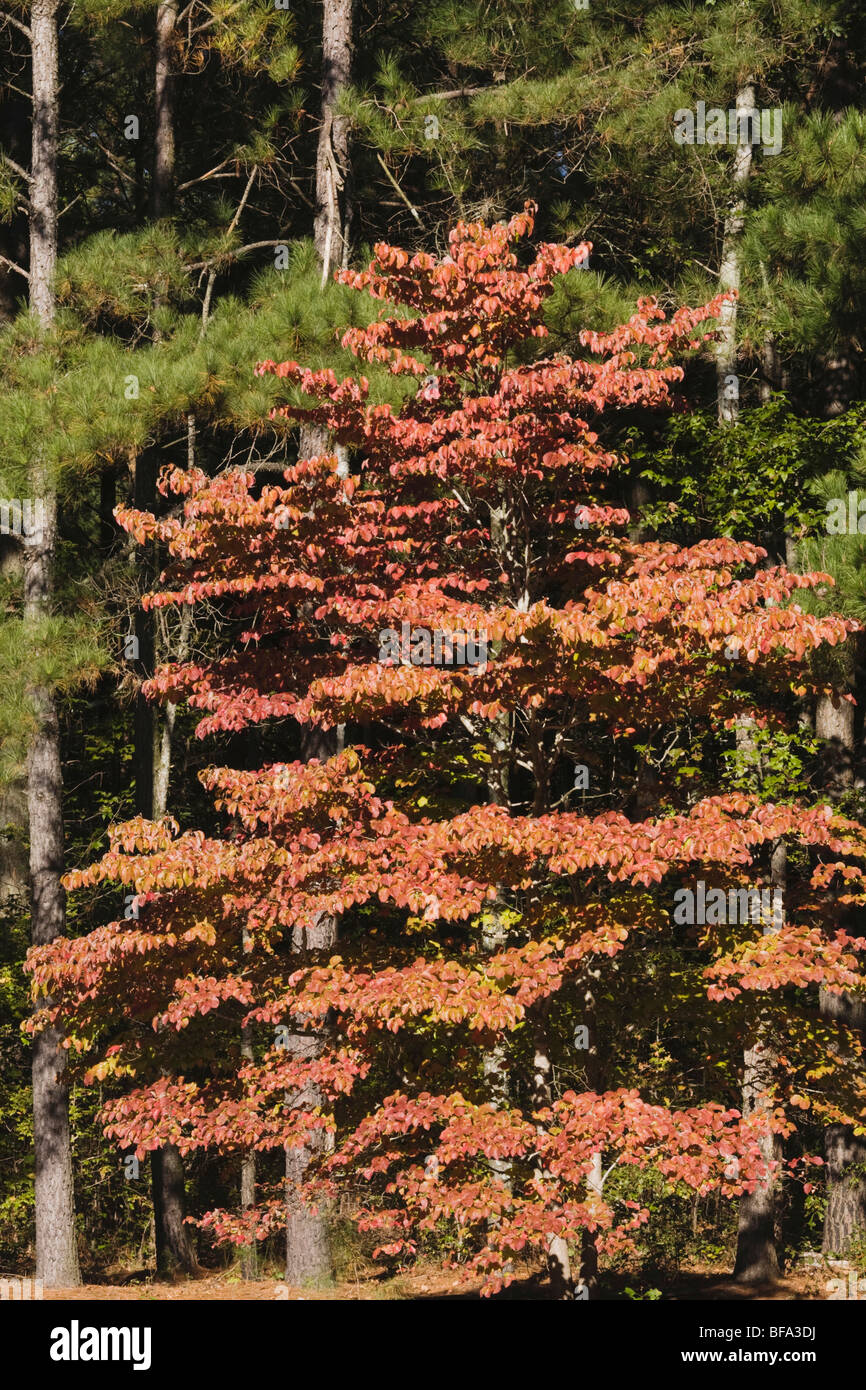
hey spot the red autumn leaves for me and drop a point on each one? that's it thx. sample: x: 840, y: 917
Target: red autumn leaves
x: 460, y: 514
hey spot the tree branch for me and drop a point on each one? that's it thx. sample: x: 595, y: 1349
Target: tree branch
x: 231, y: 255
x: 16, y: 23
x: 199, y: 28
x: 399, y: 190
x: 19, y: 168
x: 13, y: 266
x: 70, y: 205
x: 455, y: 92
x: 244, y: 196
x: 211, y: 173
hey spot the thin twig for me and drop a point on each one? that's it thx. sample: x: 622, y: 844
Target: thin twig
x: 211, y: 279
x: 70, y: 205
x: 400, y: 191
x: 242, y: 203
x: 211, y: 173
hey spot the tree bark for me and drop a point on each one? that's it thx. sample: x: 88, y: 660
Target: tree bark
x: 844, y: 1151
x: 56, y: 1246
x: 308, y: 1255
x: 152, y: 761
x: 174, y: 1250
x: 162, y: 189
x: 729, y: 275
x: 835, y: 725
x: 558, y: 1259
x: 308, y: 1252
x: 330, y: 229
x: 757, y: 1260
x: 249, y: 1253
x: 43, y: 160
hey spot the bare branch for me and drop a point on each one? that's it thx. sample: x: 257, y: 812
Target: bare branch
x: 70, y: 205
x: 242, y: 203
x: 400, y: 191
x: 19, y: 168
x: 13, y: 266
x: 301, y: 194
x: 16, y: 23
x: 232, y: 255
x: 212, y: 275
x: 208, y: 22
x: 211, y: 173
x: 118, y: 168
x: 449, y: 96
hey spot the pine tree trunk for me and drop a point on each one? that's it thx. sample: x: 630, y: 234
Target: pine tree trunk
x: 56, y: 1247
x: 330, y: 230
x: 757, y: 1260
x: 162, y: 190
x: 727, y: 391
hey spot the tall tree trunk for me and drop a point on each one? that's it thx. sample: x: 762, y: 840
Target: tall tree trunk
x: 727, y: 385
x: 757, y: 1260
x: 330, y: 229
x: 308, y: 1251
x: 162, y: 189
x: 174, y: 1247
x: 174, y: 1250
x: 844, y: 1151
x: 558, y: 1260
x: 835, y: 725
x: 56, y: 1248
x: 249, y: 1253
x: 14, y: 878
x: 308, y: 1255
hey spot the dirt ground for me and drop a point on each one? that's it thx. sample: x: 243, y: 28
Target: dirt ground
x: 700, y: 1284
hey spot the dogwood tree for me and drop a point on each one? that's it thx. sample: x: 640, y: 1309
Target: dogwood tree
x: 503, y: 839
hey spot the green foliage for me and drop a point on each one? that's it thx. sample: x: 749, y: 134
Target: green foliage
x: 760, y: 478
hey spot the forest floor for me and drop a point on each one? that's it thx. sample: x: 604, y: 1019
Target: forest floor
x: 700, y: 1283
